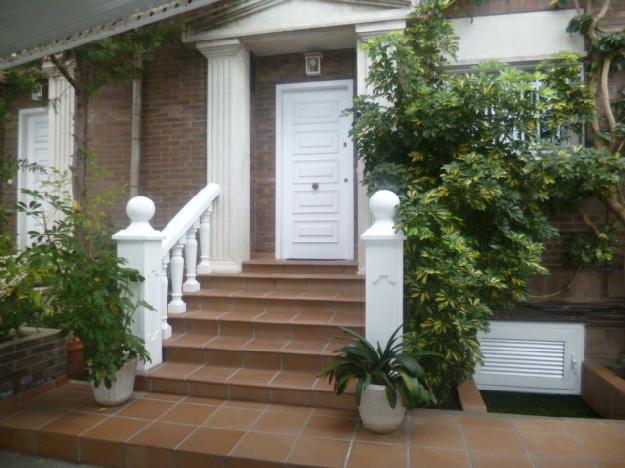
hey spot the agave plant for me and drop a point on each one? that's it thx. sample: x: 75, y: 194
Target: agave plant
x: 399, y: 372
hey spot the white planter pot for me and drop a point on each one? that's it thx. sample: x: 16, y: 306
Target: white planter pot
x: 376, y: 412
x: 121, y: 389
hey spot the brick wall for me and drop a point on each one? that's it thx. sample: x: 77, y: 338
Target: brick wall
x: 270, y: 71
x: 39, y: 357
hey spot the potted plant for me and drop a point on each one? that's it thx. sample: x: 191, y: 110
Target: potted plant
x: 388, y: 381
x: 90, y: 290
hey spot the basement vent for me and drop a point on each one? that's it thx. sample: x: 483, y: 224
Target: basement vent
x: 531, y: 357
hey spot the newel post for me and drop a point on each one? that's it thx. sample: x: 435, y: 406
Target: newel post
x: 384, y: 250
x: 141, y: 245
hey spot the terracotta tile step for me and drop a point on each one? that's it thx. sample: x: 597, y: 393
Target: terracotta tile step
x: 333, y: 284
x: 239, y: 383
x: 283, y: 325
x: 265, y: 353
x: 262, y: 265
x: 250, y: 301
x: 271, y: 295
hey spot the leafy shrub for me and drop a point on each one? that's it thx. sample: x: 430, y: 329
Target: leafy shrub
x: 90, y: 290
x: 474, y: 157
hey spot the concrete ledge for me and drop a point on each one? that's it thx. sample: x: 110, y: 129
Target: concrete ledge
x: 470, y: 397
x: 603, y: 390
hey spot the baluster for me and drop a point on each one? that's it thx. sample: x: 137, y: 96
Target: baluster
x: 176, y: 268
x: 204, y: 266
x: 163, y: 309
x: 190, y: 260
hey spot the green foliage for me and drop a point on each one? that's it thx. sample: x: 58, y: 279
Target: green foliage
x: 621, y: 361
x: 399, y: 372
x: 592, y: 250
x: 475, y: 159
x: 89, y: 288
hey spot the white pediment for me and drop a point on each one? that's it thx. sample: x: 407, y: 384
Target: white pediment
x: 260, y: 17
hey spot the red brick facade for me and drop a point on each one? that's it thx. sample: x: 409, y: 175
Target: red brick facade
x: 269, y: 72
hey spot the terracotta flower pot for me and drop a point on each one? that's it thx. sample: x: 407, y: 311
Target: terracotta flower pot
x: 75, y: 359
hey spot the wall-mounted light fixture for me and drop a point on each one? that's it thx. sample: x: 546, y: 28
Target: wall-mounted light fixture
x: 312, y: 61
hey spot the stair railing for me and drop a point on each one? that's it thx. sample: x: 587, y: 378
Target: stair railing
x: 154, y: 252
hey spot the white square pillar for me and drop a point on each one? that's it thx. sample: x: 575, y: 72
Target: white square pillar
x: 228, y: 150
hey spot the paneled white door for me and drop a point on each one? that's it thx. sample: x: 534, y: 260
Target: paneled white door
x: 33, y: 148
x: 315, y: 170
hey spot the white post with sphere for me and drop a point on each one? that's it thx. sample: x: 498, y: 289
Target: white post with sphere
x: 141, y: 246
x: 384, y: 250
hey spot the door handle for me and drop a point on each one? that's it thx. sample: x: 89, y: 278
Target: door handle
x: 315, y: 186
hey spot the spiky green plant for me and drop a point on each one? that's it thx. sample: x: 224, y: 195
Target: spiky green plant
x: 399, y: 372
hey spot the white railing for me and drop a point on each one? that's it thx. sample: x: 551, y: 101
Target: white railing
x: 153, y: 253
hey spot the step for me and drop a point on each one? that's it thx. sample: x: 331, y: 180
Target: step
x: 281, y: 324
x: 266, y: 301
x: 250, y: 352
x: 334, y: 284
x: 266, y: 265
x: 279, y: 386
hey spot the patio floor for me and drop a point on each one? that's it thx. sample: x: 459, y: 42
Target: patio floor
x: 158, y: 429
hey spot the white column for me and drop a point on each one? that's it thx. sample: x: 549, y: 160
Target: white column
x: 190, y: 260
x: 228, y: 150
x: 204, y: 266
x: 176, y: 269
x: 141, y: 246
x: 363, y: 33
x: 384, y: 282
x: 165, y: 326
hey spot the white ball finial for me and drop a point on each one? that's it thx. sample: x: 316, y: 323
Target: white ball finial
x: 382, y: 205
x: 140, y: 209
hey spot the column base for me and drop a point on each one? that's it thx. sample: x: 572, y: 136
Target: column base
x: 191, y: 286
x: 226, y: 266
x: 204, y: 268
x: 166, y: 330
x: 176, y: 307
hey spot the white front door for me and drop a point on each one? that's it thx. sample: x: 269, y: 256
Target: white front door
x: 33, y: 148
x: 315, y: 170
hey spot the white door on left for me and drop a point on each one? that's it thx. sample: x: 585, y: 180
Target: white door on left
x: 33, y: 148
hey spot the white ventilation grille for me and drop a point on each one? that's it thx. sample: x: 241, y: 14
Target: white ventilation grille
x: 531, y: 357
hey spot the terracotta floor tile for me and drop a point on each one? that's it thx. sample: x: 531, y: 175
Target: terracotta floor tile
x: 424, y: 457
x: 538, y: 424
x: 339, y: 413
x: 318, y: 317
x: 213, y: 374
x: 102, y: 452
x: 498, y: 440
x: 281, y: 423
x: 320, y: 452
x: 400, y: 436
x: 184, y: 413
x: 115, y: 429
x: 161, y: 435
x: 367, y: 454
x: 254, y: 405
x: 211, y: 441
x: 331, y: 427
x: 146, y: 409
x: 551, y: 443
x: 174, y: 370
x: 592, y: 427
x: 162, y: 396
x: 233, y: 418
x: 253, y: 377
x: 289, y: 408
x: 499, y: 460
x: 242, y: 315
x: 473, y: 421
x: 148, y: 457
x: 266, y: 344
x: 54, y: 445
x: 305, y: 346
x: 265, y: 447
x: 276, y: 316
x: 196, y: 400
x: 230, y: 342
x: 73, y: 423
x: 436, y: 436
x: 31, y: 418
x: 605, y: 448
x: 562, y: 462
x: 294, y: 379
x: 421, y: 418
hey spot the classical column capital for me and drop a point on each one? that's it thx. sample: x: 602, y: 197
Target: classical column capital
x: 221, y: 48
x: 368, y: 30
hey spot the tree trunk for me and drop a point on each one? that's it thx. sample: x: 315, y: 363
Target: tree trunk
x: 79, y: 166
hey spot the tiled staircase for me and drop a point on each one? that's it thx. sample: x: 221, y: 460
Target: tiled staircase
x: 264, y: 334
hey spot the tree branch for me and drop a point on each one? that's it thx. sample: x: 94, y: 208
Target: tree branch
x: 65, y: 72
x: 592, y: 30
x: 615, y: 207
x: 588, y: 222
x: 605, y: 92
